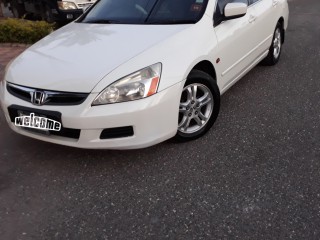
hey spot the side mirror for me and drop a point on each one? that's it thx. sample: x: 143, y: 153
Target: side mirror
x: 235, y: 10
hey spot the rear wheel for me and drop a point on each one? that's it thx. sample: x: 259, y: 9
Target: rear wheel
x: 199, y: 106
x: 275, y: 48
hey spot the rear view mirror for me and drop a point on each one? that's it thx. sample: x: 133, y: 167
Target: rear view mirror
x: 235, y: 10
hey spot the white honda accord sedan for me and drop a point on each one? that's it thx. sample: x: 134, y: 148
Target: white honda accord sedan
x: 131, y: 74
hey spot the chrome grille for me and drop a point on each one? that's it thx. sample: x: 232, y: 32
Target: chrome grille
x: 48, y: 97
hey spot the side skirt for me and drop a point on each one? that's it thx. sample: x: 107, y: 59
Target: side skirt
x: 245, y: 71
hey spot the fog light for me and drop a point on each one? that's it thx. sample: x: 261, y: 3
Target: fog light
x: 69, y: 16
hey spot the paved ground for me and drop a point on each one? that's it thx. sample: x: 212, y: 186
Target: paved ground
x: 256, y: 175
x: 6, y: 54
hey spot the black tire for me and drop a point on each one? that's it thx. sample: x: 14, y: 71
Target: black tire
x: 202, y: 79
x: 273, y: 59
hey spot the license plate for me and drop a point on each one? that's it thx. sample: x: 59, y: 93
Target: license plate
x: 36, y: 130
x: 36, y: 120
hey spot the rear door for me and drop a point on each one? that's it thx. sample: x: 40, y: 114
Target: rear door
x: 265, y: 22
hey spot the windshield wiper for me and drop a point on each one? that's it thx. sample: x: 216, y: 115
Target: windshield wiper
x: 102, y: 21
x: 172, y: 22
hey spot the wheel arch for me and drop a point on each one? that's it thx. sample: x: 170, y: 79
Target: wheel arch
x: 207, y: 67
x: 283, y: 32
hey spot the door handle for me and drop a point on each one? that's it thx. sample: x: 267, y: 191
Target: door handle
x: 275, y: 3
x: 252, y: 18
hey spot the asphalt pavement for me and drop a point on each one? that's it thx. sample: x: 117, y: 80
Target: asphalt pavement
x: 255, y: 175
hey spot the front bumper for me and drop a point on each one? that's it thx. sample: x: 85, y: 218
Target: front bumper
x: 66, y: 15
x: 154, y: 119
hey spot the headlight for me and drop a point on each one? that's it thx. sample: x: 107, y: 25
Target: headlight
x: 66, y: 5
x: 140, y: 84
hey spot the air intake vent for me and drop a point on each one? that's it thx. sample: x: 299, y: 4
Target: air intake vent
x: 119, y: 132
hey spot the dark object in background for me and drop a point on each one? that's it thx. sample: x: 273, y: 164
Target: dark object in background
x: 51, y: 11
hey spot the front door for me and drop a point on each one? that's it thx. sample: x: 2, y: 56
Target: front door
x: 237, y: 42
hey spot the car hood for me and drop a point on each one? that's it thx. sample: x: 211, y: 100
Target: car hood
x: 76, y: 57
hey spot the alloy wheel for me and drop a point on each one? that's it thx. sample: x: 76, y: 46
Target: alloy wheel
x: 277, y: 44
x: 196, y: 106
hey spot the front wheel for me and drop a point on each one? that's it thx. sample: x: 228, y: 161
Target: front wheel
x: 199, y: 106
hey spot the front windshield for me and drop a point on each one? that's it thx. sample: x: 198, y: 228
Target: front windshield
x: 145, y: 11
